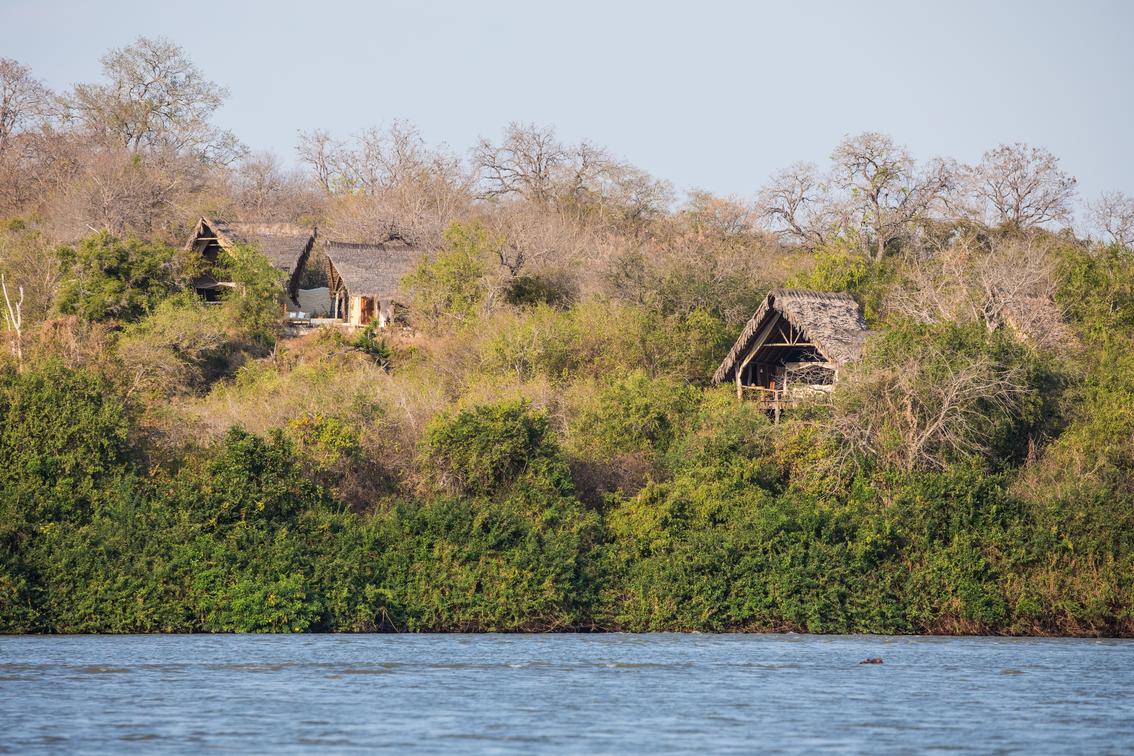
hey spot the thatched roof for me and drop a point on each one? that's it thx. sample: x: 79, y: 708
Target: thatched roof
x: 284, y: 244
x: 373, y: 270
x: 832, y: 322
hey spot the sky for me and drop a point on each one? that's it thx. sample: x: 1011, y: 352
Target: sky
x: 710, y: 95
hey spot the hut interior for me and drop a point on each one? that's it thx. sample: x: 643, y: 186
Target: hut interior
x: 286, y: 245
x: 793, y: 346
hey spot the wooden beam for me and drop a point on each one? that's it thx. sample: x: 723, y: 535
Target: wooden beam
x: 757, y: 344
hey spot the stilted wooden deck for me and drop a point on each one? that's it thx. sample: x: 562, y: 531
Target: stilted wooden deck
x: 770, y: 400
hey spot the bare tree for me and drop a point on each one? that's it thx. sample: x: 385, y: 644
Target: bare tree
x: 1022, y: 186
x: 263, y: 190
x: 583, y: 180
x: 156, y: 98
x: 721, y: 217
x: 25, y: 141
x: 632, y: 195
x: 387, y: 181
x: 14, y: 321
x: 926, y: 410
x: 26, y: 260
x: 1012, y: 286
x: 373, y: 161
x: 583, y: 168
x: 111, y: 189
x: 796, y: 203
x: 259, y: 184
x: 319, y: 152
x: 533, y: 240
x: 1015, y: 286
x: 23, y: 101
x: 524, y: 163
x: 376, y: 159
x: 886, y: 191
x: 1113, y: 214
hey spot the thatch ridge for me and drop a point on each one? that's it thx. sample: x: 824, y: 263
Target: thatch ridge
x: 284, y: 244
x: 373, y: 269
x: 832, y: 321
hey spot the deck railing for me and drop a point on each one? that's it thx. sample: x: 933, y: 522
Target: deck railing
x: 772, y: 400
x: 765, y: 394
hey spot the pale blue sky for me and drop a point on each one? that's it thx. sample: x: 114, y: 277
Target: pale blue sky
x: 710, y: 95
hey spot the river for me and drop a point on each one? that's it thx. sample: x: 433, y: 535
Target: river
x: 564, y: 693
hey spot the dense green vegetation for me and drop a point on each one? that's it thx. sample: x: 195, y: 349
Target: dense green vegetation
x: 536, y: 444
x: 594, y: 486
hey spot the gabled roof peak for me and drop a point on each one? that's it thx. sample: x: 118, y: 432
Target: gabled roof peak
x: 373, y: 269
x: 832, y: 322
x: 284, y: 244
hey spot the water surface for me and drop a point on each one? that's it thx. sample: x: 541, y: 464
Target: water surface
x: 575, y: 693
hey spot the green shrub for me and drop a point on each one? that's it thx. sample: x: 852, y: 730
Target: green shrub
x: 182, y: 347
x: 475, y: 564
x: 481, y: 450
x: 65, y: 457
x: 1097, y: 291
x: 368, y: 342
x: 452, y: 286
x: 64, y: 439
x: 256, y: 304
x: 927, y: 396
x: 632, y: 412
x: 912, y: 500
x: 249, y: 478
x: 106, y: 278
x: 542, y: 341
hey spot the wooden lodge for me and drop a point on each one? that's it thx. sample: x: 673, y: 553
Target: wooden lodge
x: 793, y: 347
x: 286, y: 245
x: 364, y: 280
x: 328, y: 283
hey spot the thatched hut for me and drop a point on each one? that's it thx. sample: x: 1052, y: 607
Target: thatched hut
x: 365, y: 279
x: 794, y: 344
x: 286, y: 245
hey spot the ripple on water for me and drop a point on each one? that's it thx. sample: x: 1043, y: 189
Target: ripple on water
x: 95, y: 669
x: 139, y: 737
x: 594, y: 693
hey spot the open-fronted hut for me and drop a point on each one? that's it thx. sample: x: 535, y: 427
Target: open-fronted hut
x: 286, y: 245
x: 794, y: 344
x: 365, y: 279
